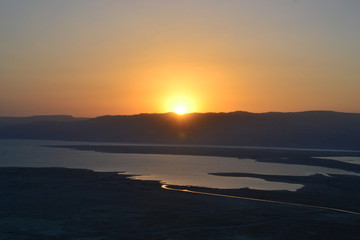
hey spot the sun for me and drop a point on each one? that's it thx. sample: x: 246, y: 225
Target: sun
x: 180, y: 105
x: 180, y: 109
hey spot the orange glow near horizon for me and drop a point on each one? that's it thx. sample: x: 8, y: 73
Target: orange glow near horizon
x: 178, y: 86
x: 180, y: 109
x: 133, y: 57
x: 180, y: 105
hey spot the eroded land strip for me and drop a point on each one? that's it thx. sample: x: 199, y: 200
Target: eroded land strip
x: 164, y: 186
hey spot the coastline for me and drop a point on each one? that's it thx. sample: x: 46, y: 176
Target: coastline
x: 284, y: 156
x: 60, y: 203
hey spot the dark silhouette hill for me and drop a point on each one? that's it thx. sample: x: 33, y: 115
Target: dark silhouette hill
x: 5, y: 121
x: 312, y: 129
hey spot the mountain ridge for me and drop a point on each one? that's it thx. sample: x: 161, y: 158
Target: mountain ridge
x: 308, y: 129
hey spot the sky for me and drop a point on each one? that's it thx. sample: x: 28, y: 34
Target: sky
x: 120, y: 57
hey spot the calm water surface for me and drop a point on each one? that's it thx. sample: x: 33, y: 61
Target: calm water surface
x: 170, y: 169
x: 352, y: 160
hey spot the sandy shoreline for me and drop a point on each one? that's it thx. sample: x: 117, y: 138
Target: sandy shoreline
x: 58, y: 203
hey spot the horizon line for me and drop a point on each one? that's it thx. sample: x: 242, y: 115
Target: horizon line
x: 163, y: 113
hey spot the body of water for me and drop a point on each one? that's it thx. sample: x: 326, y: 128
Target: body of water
x: 352, y: 160
x: 170, y: 169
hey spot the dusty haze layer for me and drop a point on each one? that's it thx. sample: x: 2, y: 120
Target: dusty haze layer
x: 91, y: 58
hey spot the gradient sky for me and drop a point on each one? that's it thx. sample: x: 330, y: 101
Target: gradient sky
x: 97, y: 57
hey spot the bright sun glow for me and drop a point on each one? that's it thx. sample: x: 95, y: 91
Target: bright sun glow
x: 180, y: 109
x: 180, y: 105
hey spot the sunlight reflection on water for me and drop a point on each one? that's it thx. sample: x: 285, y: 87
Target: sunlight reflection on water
x: 170, y: 169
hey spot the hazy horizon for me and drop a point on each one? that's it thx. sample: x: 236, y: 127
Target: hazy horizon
x: 94, y: 116
x: 92, y: 58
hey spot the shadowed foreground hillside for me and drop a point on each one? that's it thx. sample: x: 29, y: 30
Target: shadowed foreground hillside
x: 315, y: 129
x: 69, y: 204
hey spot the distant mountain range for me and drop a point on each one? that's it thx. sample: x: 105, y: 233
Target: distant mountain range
x: 6, y: 121
x: 312, y: 129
